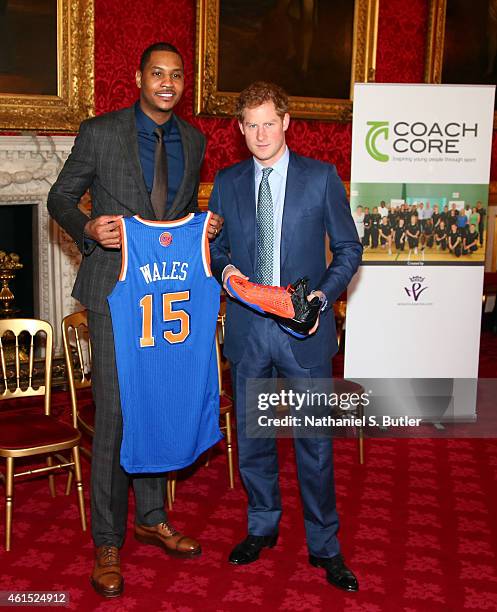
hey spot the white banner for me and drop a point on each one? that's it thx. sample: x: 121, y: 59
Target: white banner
x: 419, y: 196
x: 412, y: 322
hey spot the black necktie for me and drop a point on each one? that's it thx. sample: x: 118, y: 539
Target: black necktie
x: 159, y: 188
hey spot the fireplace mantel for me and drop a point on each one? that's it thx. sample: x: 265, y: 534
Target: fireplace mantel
x: 29, y: 165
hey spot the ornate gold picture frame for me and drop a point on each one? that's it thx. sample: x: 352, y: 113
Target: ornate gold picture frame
x: 70, y: 86
x: 435, y: 41
x: 240, y: 41
x: 462, y: 42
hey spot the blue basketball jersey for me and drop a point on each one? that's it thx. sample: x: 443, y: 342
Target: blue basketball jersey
x: 164, y: 309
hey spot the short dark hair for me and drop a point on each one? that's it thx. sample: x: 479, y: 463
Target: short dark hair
x: 258, y: 93
x: 158, y: 46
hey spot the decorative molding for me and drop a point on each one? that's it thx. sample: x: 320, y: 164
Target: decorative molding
x: 204, y: 193
x: 30, y: 165
x: 205, y: 190
x: 435, y: 41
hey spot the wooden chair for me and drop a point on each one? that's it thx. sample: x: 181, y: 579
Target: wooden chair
x: 489, y: 286
x: 78, y: 364
x: 225, y: 403
x: 344, y: 385
x: 340, y: 309
x: 32, y: 432
x: 77, y: 353
x: 225, y: 419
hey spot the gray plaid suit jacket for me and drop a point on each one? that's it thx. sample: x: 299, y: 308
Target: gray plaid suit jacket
x: 105, y: 160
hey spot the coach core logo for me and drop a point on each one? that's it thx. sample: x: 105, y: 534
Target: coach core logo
x: 377, y: 128
x: 418, y: 137
x: 165, y: 239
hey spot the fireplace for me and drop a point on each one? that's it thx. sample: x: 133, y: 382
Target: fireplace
x: 16, y: 236
x: 29, y: 165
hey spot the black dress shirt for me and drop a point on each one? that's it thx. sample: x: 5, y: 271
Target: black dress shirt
x: 146, y: 148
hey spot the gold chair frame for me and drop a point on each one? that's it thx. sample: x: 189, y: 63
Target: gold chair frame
x: 34, y: 327
x: 225, y: 420
x: 225, y: 412
x: 77, y: 378
x: 340, y: 310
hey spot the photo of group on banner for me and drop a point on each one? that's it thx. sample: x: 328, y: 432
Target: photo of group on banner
x: 421, y: 229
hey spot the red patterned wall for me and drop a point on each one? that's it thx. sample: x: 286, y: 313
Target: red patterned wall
x: 123, y: 28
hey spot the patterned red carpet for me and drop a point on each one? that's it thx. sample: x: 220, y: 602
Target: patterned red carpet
x: 419, y: 527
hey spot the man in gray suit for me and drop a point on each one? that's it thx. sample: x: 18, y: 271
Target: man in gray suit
x: 140, y: 160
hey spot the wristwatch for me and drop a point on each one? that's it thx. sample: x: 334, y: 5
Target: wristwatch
x: 324, y: 303
x: 323, y: 300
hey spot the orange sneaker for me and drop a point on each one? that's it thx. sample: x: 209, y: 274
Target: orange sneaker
x: 263, y: 298
x: 294, y: 312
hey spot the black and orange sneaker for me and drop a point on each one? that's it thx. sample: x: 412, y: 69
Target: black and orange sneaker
x: 289, y: 305
x: 306, y: 312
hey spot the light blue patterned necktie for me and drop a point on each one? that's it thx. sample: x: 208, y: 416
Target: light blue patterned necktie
x: 265, y: 231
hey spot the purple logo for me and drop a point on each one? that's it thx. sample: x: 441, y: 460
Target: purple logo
x: 416, y: 288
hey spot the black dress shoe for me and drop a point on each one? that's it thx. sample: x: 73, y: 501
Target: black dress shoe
x: 248, y: 551
x: 337, y: 573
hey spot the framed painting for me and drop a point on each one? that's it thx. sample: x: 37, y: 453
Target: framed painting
x: 316, y: 50
x: 462, y: 42
x: 46, y: 64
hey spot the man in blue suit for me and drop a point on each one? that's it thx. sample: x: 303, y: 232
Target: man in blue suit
x: 278, y: 208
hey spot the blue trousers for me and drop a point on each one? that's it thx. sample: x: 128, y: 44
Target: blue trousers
x: 267, y: 353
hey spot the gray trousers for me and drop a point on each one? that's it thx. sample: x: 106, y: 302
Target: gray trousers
x: 109, y: 482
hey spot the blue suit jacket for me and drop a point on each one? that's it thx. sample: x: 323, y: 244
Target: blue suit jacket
x: 315, y: 205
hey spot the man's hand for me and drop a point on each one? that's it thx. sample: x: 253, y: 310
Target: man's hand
x: 230, y: 270
x: 322, y: 299
x: 106, y: 230
x: 215, y: 225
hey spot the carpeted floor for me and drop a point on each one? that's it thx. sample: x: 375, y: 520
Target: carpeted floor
x: 419, y: 528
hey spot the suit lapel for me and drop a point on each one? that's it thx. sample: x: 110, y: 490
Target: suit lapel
x: 129, y: 142
x: 178, y: 202
x: 294, y: 196
x: 245, y: 199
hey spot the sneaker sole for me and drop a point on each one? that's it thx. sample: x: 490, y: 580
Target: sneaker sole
x: 293, y: 332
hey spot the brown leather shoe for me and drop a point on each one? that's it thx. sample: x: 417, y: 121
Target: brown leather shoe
x: 166, y: 537
x: 106, y: 577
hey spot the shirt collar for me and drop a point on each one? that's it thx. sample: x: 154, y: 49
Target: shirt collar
x: 147, y: 125
x: 280, y: 167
